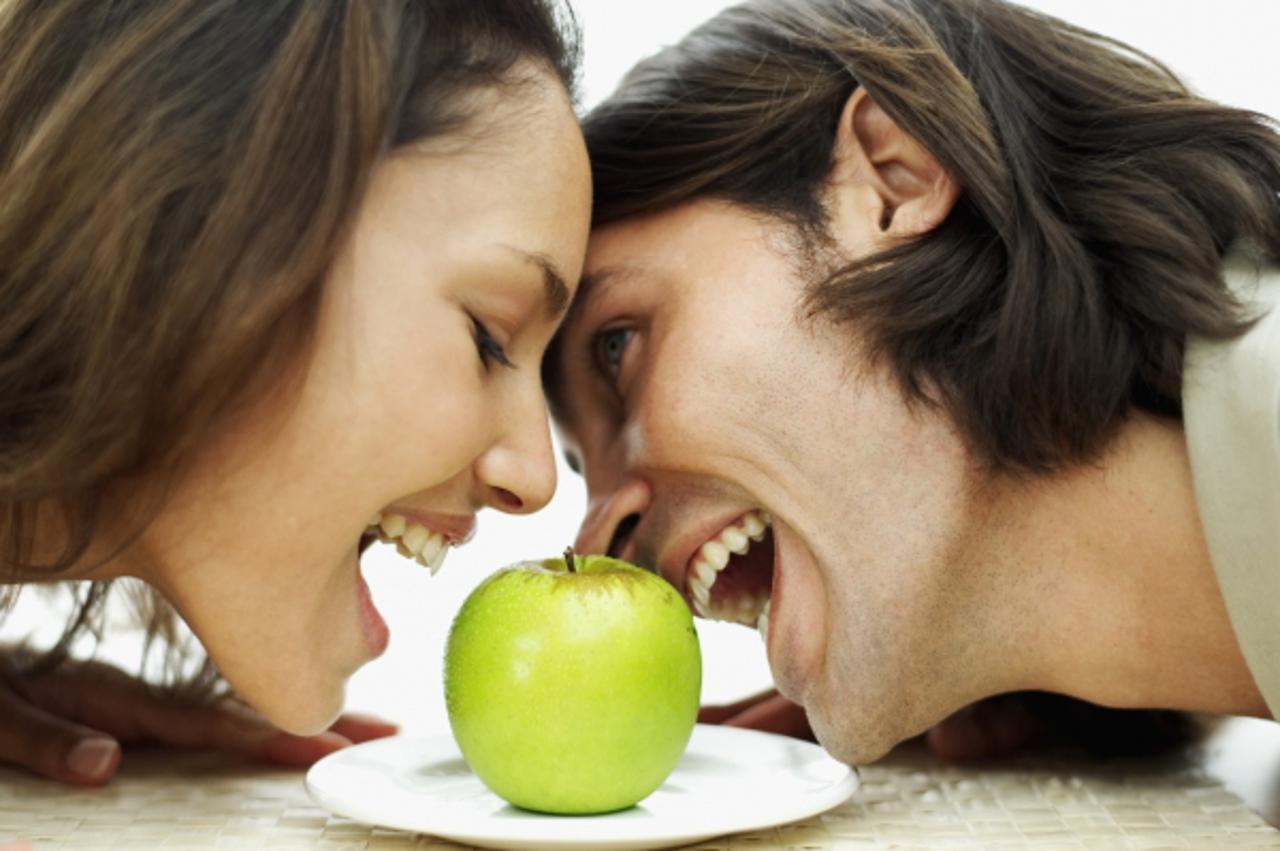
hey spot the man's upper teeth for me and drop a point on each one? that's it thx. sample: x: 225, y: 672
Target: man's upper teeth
x: 716, y: 555
x: 735, y: 539
x: 411, y: 539
x: 706, y: 573
x: 712, y: 558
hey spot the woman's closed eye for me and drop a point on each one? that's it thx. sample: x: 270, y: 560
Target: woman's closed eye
x: 490, y: 349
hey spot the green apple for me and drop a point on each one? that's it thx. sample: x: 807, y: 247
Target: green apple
x: 572, y: 685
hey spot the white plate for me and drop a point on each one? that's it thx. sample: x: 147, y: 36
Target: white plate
x: 729, y: 780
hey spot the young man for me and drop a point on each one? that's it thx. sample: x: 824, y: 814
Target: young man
x: 934, y: 338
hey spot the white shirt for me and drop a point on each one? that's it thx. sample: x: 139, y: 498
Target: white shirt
x: 1231, y: 412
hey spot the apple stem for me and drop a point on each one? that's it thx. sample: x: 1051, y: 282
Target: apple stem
x: 568, y: 559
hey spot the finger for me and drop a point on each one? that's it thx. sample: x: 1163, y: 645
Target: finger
x: 989, y: 728
x: 54, y: 747
x: 256, y: 737
x: 287, y: 749
x: 722, y: 713
x: 361, y: 728
x: 775, y: 715
x: 957, y: 738
x: 114, y: 702
x: 234, y: 727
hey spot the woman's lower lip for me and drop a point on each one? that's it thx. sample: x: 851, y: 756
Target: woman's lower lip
x: 372, y: 626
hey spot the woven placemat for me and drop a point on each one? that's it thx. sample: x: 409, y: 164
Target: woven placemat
x: 907, y: 801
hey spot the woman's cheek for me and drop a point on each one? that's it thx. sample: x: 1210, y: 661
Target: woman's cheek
x: 460, y: 432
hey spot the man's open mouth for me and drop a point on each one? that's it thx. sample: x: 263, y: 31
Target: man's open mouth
x: 730, y: 577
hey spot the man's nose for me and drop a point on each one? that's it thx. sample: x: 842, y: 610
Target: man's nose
x: 612, y: 517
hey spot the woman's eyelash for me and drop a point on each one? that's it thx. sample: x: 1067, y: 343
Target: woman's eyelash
x: 490, y: 349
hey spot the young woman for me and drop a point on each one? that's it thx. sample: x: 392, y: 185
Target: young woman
x: 275, y: 276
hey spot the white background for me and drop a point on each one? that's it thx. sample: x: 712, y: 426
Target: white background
x: 1227, y: 50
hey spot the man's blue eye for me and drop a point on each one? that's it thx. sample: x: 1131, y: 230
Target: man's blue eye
x: 611, y: 345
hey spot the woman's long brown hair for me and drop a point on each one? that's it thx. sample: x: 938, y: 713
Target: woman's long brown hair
x: 1099, y: 197
x: 175, y: 176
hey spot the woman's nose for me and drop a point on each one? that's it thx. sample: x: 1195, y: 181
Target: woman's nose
x: 518, y: 472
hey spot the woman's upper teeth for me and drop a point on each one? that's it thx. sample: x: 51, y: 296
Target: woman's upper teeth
x: 712, y: 557
x: 411, y: 539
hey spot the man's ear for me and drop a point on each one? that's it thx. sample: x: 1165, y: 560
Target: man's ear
x: 885, y: 175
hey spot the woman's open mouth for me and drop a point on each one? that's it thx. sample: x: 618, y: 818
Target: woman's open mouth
x: 413, y: 541
x: 730, y: 577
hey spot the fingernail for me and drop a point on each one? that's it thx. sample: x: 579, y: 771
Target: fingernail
x: 91, y: 758
x: 364, y: 718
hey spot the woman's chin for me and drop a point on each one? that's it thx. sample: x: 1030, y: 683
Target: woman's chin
x: 307, y: 715
x: 301, y: 703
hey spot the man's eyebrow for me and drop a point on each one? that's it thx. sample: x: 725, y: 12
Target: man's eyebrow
x: 594, y: 283
x: 554, y: 290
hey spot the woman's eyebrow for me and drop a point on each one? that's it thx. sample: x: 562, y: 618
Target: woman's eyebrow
x: 555, y: 292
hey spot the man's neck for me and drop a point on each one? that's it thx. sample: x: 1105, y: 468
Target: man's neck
x: 1109, y: 585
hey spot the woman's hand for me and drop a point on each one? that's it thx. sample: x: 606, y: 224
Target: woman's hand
x: 69, y: 725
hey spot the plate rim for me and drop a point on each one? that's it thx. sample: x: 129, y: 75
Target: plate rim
x: 839, y: 790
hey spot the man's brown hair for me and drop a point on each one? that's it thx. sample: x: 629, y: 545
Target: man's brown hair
x: 1098, y: 199
x: 175, y: 177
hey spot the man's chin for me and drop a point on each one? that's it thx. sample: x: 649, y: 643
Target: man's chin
x: 848, y: 741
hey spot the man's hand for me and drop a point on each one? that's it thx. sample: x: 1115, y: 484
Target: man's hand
x: 768, y: 711
x: 994, y: 727
x: 988, y: 728
x: 69, y: 725
x: 1019, y: 721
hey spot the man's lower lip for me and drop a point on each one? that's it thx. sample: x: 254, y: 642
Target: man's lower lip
x: 775, y: 596
x: 372, y: 626
x: 790, y: 678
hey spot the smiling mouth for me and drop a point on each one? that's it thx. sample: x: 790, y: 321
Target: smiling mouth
x: 412, y: 540
x: 730, y: 577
